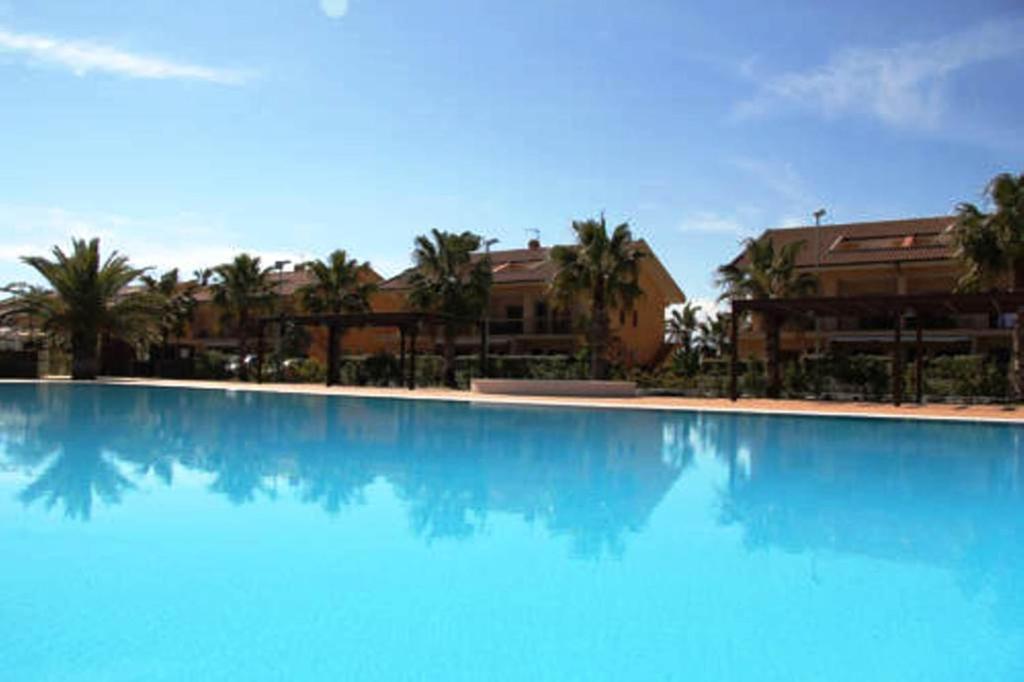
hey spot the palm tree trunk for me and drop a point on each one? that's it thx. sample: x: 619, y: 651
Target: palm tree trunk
x: 449, y: 356
x: 84, y: 356
x: 1017, y: 358
x: 771, y: 348
x: 243, y: 346
x: 599, y: 333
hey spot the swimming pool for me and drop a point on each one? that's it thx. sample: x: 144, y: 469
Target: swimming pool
x: 164, y: 534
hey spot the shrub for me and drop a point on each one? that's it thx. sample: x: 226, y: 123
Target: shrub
x: 304, y: 371
x: 968, y: 376
x: 212, y: 365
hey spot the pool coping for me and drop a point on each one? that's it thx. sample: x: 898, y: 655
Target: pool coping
x: 984, y: 414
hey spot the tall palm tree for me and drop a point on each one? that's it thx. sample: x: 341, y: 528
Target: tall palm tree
x: 86, y: 299
x: 448, y: 280
x: 991, y: 245
x: 340, y: 285
x: 602, y: 270
x: 242, y: 288
x: 765, y: 272
x: 177, y: 301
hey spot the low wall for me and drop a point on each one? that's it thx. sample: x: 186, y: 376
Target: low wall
x: 559, y: 387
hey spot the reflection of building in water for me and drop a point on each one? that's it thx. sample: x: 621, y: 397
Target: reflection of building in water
x: 942, y: 494
x: 588, y: 475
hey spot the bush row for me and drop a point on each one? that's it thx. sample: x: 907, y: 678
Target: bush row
x: 860, y: 376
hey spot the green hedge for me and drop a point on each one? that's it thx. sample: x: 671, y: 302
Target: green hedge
x: 865, y: 376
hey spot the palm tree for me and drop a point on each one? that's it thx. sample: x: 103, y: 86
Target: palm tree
x: 340, y: 285
x: 87, y: 299
x: 764, y: 272
x: 243, y: 289
x: 448, y: 280
x: 682, y: 325
x: 603, y: 271
x: 991, y: 245
x: 713, y: 335
x: 177, y: 302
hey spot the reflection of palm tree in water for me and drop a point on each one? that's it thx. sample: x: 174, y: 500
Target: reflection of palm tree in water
x: 579, y: 473
x: 76, y: 473
x: 76, y: 466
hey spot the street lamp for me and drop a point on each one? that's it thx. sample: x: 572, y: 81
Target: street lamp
x: 488, y: 243
x: 818, y: 215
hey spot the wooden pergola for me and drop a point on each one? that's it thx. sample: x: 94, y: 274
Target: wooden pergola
x: 409, y: 325
x: 894, y: 307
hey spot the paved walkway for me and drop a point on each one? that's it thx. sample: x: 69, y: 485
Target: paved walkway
x: 978, y: 413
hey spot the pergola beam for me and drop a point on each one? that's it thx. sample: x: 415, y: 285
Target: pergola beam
x: 889, y: 305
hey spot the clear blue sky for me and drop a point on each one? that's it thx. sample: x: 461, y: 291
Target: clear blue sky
x: 183, y: 132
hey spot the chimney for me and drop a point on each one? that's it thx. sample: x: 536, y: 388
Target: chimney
x: 533, y: 244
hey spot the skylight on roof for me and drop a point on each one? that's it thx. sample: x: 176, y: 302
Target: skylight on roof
x: 918, y: 240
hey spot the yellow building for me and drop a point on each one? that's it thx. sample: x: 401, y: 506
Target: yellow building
x: 894, y: 257
x: 208, y: 330
x: 524, y: 320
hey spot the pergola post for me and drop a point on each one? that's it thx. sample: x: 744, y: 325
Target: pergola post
x: 919, y: 359
x: 259, y: 353
x: 332, y: 352
x: 734, y: 351
x: 483, y: 349
x: 412, y: 358
x: 1017, y: 358
x: 401, y: 355
x: 897, y: 360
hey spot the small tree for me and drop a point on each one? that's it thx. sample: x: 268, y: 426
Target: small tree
x: 448, y: 280
x: 765, y: 272
x: 176, y: 301
x: 713, y: 335
x: 603, y: 271
x: 86, y: 299
x: 682, y: 326
x: 242, y: 289
x: 682, y: 331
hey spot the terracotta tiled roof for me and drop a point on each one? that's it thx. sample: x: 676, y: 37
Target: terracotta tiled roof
x: 533, y: 265
x: 285, y: 283
x: 889, y: 241
x: 511, y: 266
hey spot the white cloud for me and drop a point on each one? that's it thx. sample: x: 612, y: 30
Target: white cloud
x: 710, y: 221
x: 83, y: 57
x: 902, y: 86
x: 335, y: 9
x: 708, y: 307
x: 185, y: 241
x: 779, y: 177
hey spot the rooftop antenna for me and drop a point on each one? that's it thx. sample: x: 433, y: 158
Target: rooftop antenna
x: 533, y: 235
x: 818, y: 215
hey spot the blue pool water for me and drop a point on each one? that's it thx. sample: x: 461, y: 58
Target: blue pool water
x: 162, y: 534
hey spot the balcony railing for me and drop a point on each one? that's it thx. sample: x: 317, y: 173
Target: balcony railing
x: 508, y: 327
x: 540, y: 325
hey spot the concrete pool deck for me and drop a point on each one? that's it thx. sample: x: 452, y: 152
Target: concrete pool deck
x: 1012, y: 414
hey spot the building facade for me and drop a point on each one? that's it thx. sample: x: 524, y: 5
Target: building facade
x: 523, y: 318
x: 896, y: 257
